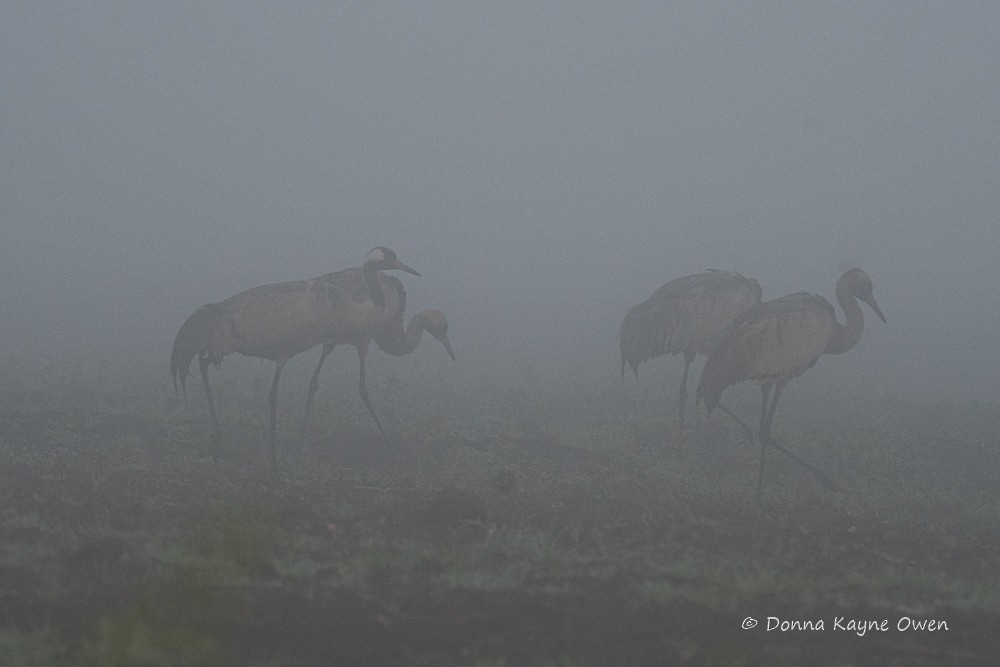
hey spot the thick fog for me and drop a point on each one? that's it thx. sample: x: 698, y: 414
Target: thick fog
x: 544, y: 165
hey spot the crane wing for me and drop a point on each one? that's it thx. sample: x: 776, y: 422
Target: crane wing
x: 688, y: 314
x: 776, y: 340
x: 279, y: 320
x: 350, y: 281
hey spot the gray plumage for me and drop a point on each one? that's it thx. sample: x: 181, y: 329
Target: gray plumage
x: 686, y: 316
x: 391, y: 338
x: 278, y: 321
x: 779, y: 340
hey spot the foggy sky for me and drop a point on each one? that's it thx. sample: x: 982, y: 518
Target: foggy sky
x: 543, y: 165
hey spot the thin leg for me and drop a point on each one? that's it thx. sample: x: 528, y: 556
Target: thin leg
x: 216, y: 437
x: 766, y: 427
x: 363, y: 389
x: 820, y: 476
x: 688, y: 358
x: 765, y: 394
x: 272, y: 404
x: 747, y: 431
x: 314, y: 384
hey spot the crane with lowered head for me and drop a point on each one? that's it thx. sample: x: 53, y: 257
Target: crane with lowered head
x: 392, y: 339
x: 277, y: 322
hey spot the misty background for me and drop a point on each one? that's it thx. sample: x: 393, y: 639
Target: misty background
x: 545, y: 166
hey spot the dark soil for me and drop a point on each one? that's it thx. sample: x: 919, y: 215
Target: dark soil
x: 518, y: 543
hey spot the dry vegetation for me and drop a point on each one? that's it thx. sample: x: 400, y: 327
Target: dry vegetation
x: 509, y: 526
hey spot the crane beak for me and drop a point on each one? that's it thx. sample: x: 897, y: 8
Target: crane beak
x: 447, y: 345
x: 871, y: 302
x: 402, y: 267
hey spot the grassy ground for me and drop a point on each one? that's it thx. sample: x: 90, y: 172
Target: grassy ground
x: 561, y: 525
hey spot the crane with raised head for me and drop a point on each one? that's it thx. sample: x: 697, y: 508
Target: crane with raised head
x: 779, y: 340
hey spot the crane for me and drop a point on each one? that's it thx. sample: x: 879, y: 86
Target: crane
x: 392, y: 339
x: 778, y: 340
x: 278, y: 321
x: 686, y: 316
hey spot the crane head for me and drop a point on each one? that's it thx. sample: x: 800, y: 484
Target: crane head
x: 436, y: 325
x: 859, y: 285
x: 381, y: 258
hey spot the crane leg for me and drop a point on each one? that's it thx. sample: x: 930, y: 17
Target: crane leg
x: 764, y: 436
x: 314, y: 384
x: 748, y: 435
x: 682, y: 401
x: 768, y: 416
x: 272, y: 404
x: 766, y: 427
x: 820, y: 476
x: 216, y: 437
x: 363, y: 389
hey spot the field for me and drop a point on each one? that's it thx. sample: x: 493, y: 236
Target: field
x: 541, y: 523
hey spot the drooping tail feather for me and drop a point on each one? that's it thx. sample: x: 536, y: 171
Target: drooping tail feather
x: 727, y: 365
x: 643, y: 335
x: 192, y: 340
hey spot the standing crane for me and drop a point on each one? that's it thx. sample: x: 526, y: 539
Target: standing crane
x: 779, y: 340
x: 278, y: 321
x: 686, y: 316
x: 392, y: 338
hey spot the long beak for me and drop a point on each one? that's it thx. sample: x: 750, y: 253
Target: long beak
x: 403, y: 267
x: 871, y: 302
x: 447, y: 345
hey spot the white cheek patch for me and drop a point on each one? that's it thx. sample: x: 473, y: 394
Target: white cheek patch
x: 375, y: 255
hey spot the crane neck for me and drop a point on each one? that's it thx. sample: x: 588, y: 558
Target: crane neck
x: 846, y: 336
x: 397, y: 342
x: 375, y: 293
